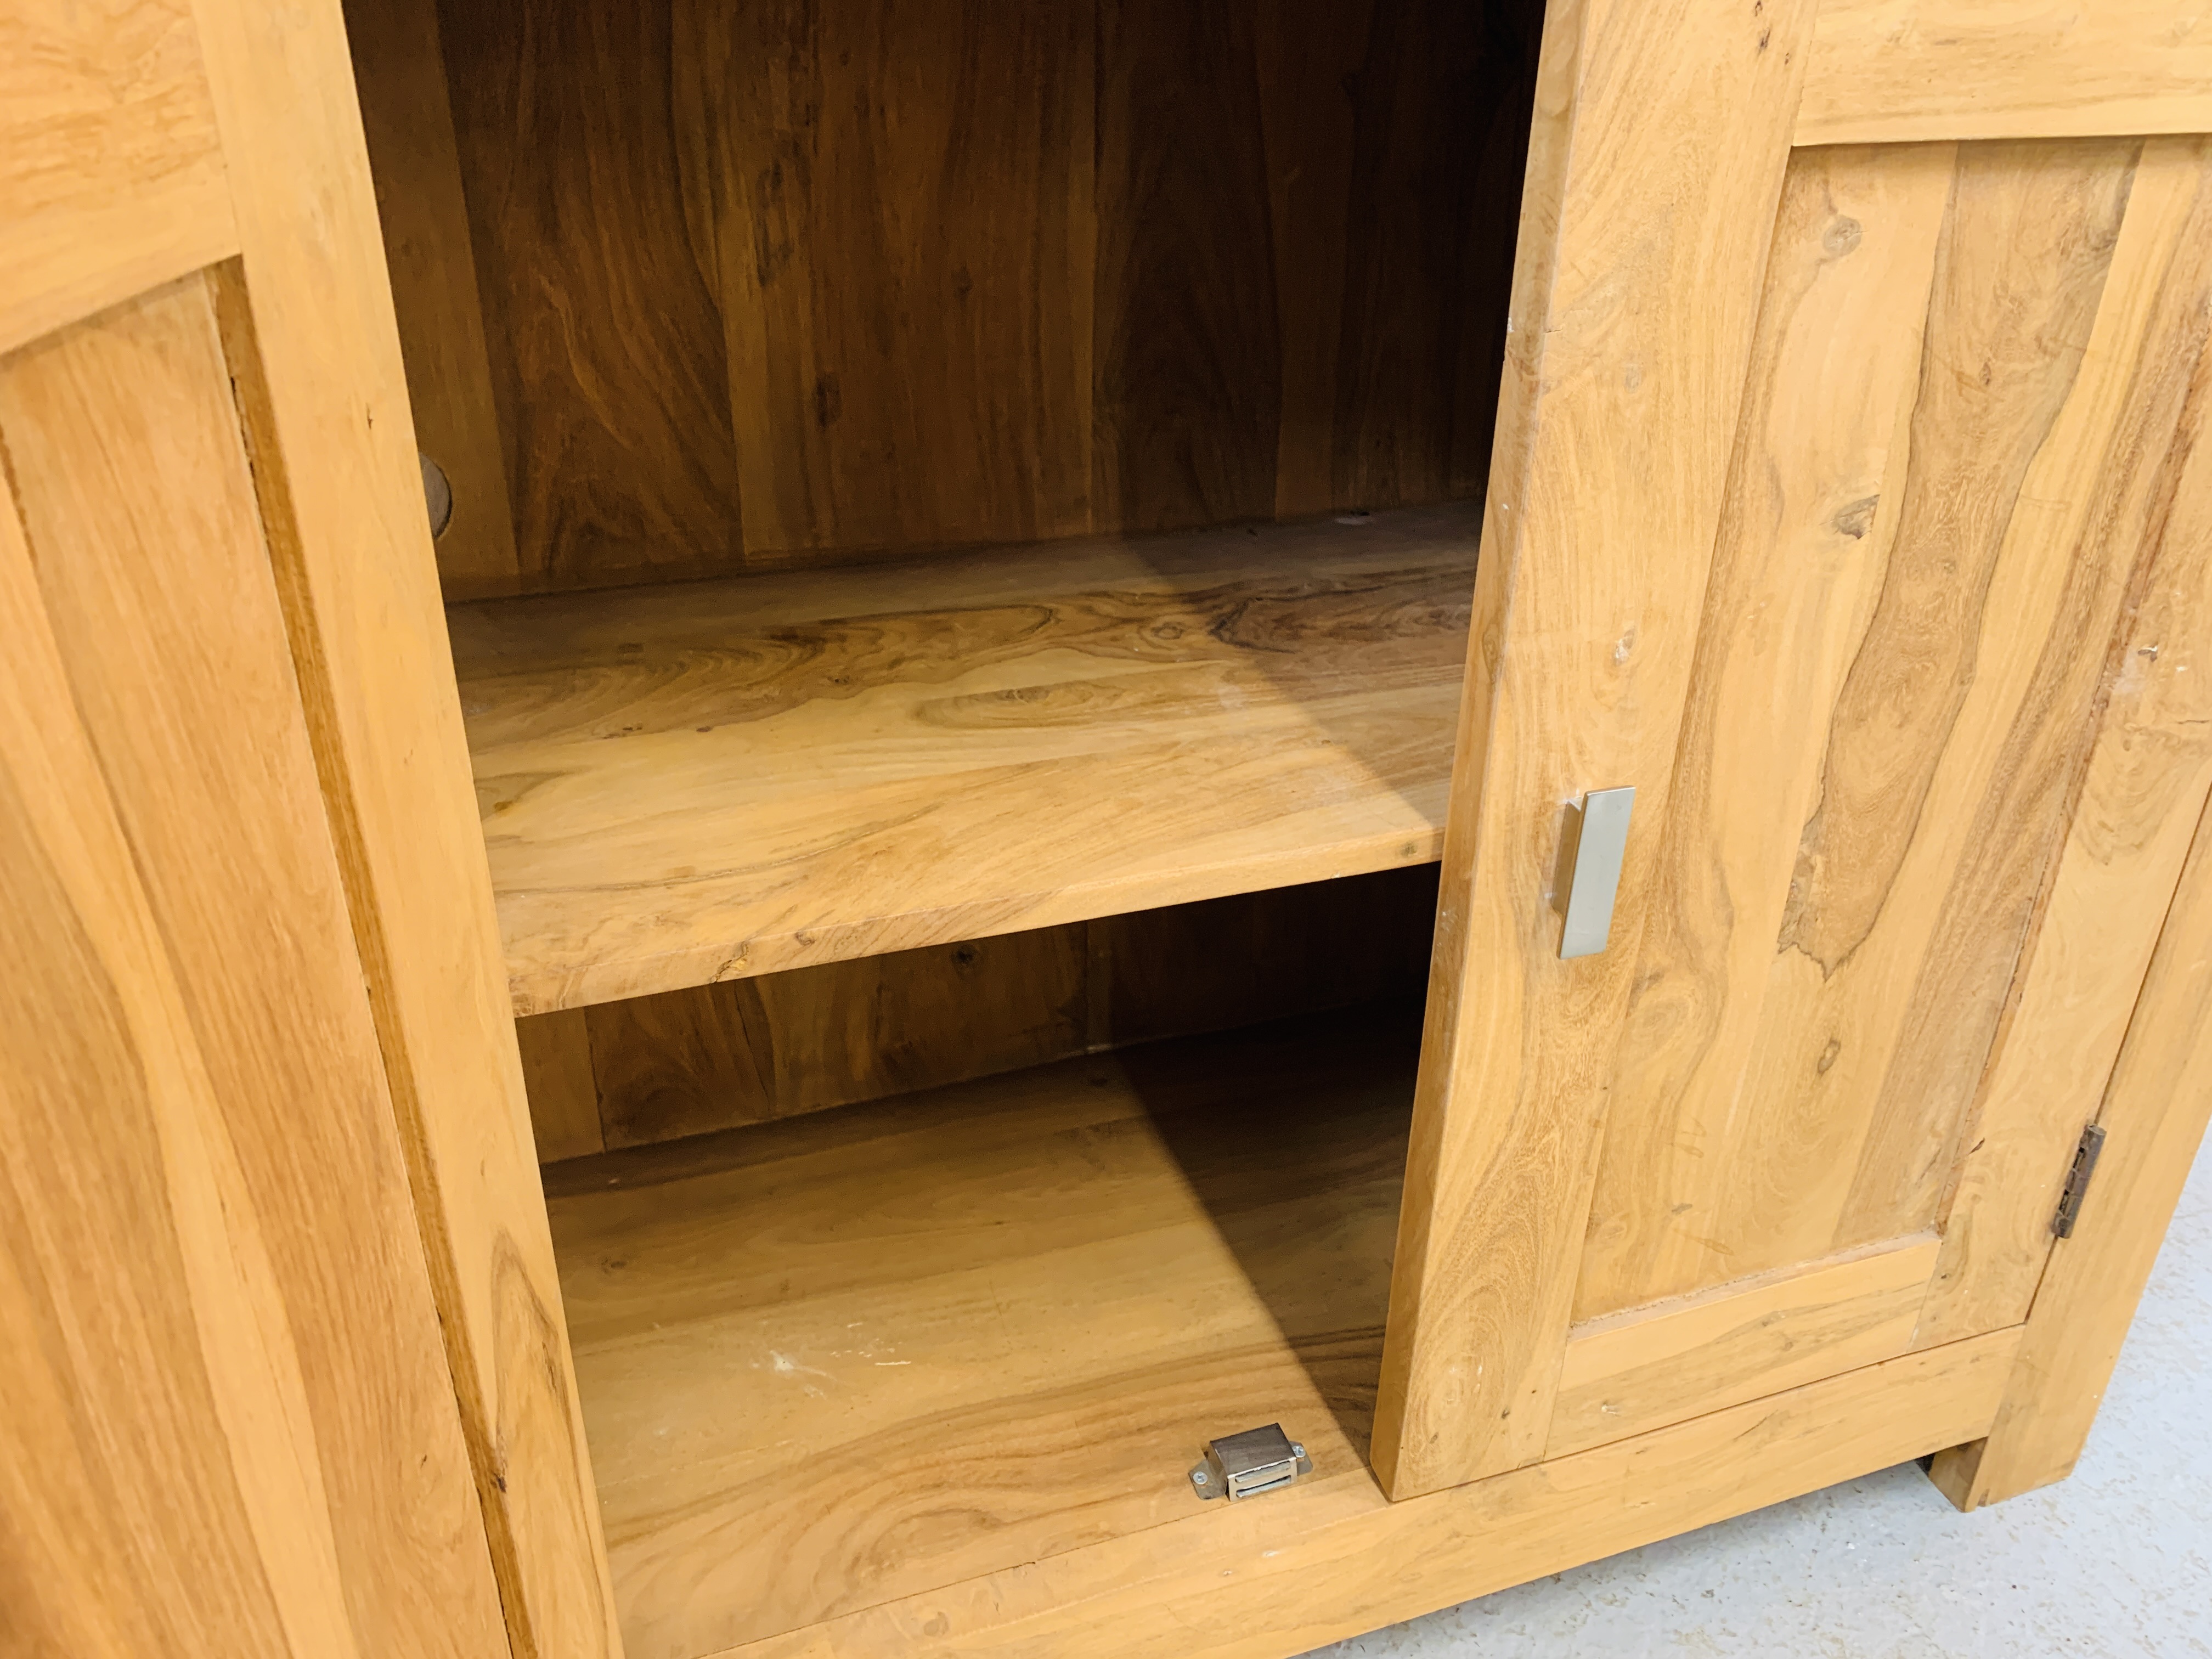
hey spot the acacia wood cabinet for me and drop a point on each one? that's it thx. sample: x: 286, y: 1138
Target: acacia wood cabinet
x: 787, y: 782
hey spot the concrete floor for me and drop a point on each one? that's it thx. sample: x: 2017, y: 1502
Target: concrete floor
x: 2117, y: 1561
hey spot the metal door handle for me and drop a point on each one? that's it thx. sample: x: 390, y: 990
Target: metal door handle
x: 1596, y: 871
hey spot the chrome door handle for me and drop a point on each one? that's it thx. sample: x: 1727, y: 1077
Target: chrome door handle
x: 1595, y: 861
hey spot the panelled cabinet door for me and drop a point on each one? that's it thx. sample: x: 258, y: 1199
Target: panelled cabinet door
x: 1851, y: 500
x: 228, y: 1412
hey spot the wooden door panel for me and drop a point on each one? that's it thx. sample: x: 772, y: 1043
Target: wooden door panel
x: 1853, y: 858
x: 112, y: 178
x: 1894, y: 71
x: 2147, y: 779
x: 1796, y: 574
x: 223, y: 1083
x: 1892, y: 888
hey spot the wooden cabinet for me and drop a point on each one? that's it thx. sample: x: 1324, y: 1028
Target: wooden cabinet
x: 936, y: 875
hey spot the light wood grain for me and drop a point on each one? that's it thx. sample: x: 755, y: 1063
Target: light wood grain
x: 315, y: 364
x: 1954, y: 740
x: 790, y: 282
x: 1893, y: 72
x: 1632, y: 1373
x: 564, y: 1094
x: 242, y: 1432
x: 596, y: 266
x: 852, y: 1356
x: 685, y: 785
x: 2146, y: 781
x: 1802, y: 546
x: 407, y: 120
x: 1840, y: 927
x: 902, y: 203
x: 1304, y: 1568
x: 2155, y: 1114
x: 1655, y: 169
x: 111, y: 174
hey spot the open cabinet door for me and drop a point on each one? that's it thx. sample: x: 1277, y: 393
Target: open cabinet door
x: 1850, y: 502
x: 232, y: 793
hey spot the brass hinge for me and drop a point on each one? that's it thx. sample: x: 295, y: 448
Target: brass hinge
x: 2077, y: 1181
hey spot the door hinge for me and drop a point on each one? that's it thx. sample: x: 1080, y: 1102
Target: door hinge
x: 2077, y: 1181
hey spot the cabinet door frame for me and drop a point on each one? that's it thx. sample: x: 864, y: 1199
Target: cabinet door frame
x: 1662, y: 137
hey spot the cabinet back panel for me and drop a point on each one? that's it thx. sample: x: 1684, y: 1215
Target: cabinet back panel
x: 655, y: 1068
x: 794, y: 282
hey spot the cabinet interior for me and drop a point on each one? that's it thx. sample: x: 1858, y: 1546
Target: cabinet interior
x: 959, y: 526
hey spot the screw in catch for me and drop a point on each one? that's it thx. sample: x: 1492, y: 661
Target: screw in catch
x: 1198, y: 1476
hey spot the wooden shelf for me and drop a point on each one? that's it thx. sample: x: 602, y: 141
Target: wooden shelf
x: 681, y: 784
x: 849, y: 1356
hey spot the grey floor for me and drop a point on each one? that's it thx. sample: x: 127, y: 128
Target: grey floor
x: 2117, y: 1561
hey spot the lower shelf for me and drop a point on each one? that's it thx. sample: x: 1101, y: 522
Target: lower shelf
x: 844, y: 1358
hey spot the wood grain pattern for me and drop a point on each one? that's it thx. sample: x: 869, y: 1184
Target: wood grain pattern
x: 686, y: 784
x: 1334, y: 1560
x: 1802, y: 546
x: 1395, y: 134
x: 901, y: 278
x: 2154, y: 1112
x: 1189, y: 393
x: 1816, y: 1007
x: 146, y: 1337
x: 597, y: 272
x: 902, y: 199
x: 1654, y: 167
x: 564, y: 1094
x: 1256, y: 957
x: 853, y: 1356
x: 2146, y: 781
x: 752, y: 1050
x: 256, y: 1402
x: 407, y: 120
x: 1891, y: 71
x: 1632, y: 1372
x: 314, y: 359
x: 111, y: 172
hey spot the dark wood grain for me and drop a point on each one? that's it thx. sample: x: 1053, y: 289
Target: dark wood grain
x: 1188, y: 389
x: 594, y: 231
x: 856, y: 1354
x: 1395, y: 136
x: 778, y: 1045
x: 902, y: 199
x: 902, y: 277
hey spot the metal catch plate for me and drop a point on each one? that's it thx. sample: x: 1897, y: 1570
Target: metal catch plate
x: 1245, y: 1465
